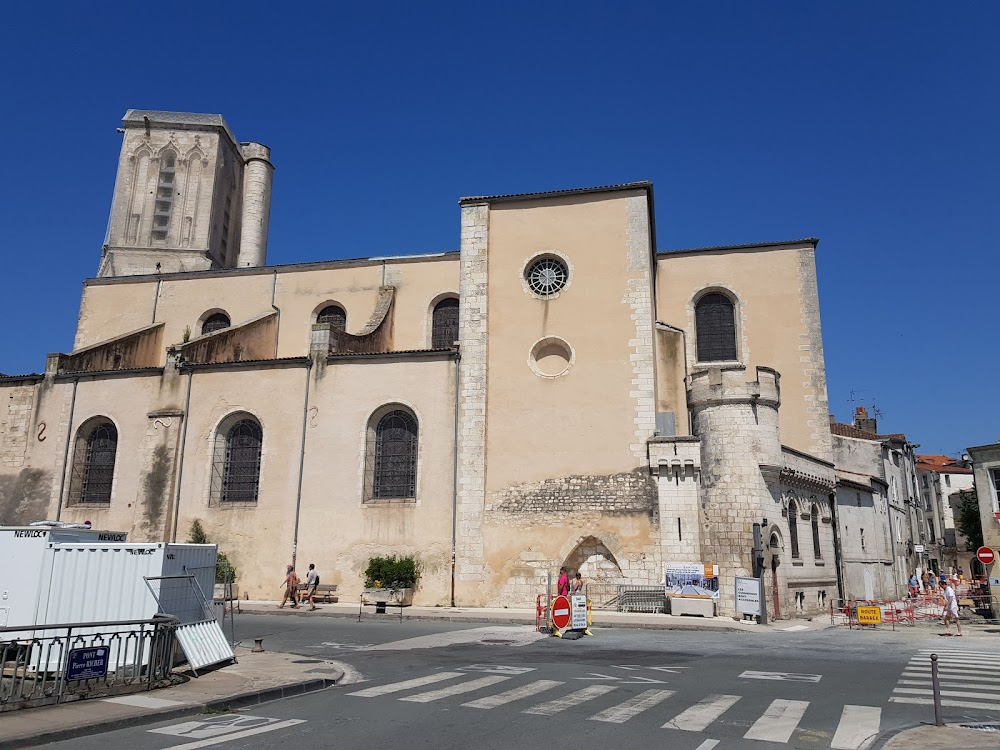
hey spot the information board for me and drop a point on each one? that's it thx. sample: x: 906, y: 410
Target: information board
x: 87, y: 663
x: 579, y: 612
x: 749, y: 596
x: 695, y: 580
x: 869, y: 615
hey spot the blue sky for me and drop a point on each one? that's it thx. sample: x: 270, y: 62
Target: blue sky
x: 873, y: 126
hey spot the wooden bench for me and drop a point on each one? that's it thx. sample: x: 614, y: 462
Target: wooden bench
x: 324, y: 590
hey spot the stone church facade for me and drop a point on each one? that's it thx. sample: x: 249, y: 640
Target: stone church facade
x: 556, y: 392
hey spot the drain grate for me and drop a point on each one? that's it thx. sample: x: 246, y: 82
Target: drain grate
x: 982, y: 727
x: 307, y: 661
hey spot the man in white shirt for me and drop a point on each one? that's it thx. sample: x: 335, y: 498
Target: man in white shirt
x: 951, y: 610
x: 312, y: 581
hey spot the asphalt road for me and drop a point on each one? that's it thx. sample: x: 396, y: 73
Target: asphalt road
x: 455, y: 685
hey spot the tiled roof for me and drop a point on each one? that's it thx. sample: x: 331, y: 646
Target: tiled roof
x: 846, y: 430
x: 642, y: 185
x: 942, y: 464
x: 440, y: 350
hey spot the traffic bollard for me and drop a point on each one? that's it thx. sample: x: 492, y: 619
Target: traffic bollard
x: 936, y: 687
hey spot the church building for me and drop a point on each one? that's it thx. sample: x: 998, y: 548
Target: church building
x: 559, y: 391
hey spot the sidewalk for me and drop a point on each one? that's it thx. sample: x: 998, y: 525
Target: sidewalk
x: 950, y: 737
x: 501, y: 615
x: 256, y: 678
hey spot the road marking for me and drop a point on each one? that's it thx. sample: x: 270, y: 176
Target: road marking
x: 795, y: 628
x: 786, y: 676
x: 944, y: 702
x: 700, y: 715
x: 947, y: 682
x: 395, y: 687
x: 519, y: 635
x: 631, y: 680
x: 858, y: 726
x: 945, y: 669
x: 962, y: 654
x: 497, y: 669
x: 950, y: 693
x: 707, y: 745
x: 533, y: 688
x: 344, y: 646
x: 573, y: 699
x: 778, y: 721
x: 926, y: 676
x: 462, y: 687
x: 143, y: 701
x: 632, y: 707
x: 236, y: 735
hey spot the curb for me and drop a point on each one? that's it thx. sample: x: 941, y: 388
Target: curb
x: 239, y: 700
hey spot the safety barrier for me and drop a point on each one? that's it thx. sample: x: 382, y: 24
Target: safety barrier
x: 43, y: 664
x: 924, y: 608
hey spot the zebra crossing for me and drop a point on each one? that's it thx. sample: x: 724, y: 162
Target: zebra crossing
x: 968, y: 680
x: 776, y: 723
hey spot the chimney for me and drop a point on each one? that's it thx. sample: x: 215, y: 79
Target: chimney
x: 863, y: 422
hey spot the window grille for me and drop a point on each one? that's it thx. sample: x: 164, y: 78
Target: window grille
x: 164, y: 197
x: 546, y: 276
x: 444, y: 324
x: 715, y: 328
x: 236, y: 466
x: 215, y: 322
x: 817, y: 551
x: 94, y: 464
x: 335, y: 316
x: 392, y: 457
x: 793, y: 529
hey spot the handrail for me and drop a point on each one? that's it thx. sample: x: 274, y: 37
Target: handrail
x: 156, y: 620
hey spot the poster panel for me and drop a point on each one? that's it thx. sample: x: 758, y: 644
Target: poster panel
x: 695, y: 580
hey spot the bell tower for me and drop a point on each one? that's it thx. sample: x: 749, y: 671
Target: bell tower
x: 183, y: 189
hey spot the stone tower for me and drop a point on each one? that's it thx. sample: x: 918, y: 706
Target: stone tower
x: 188, y: 197
x: 737, y: 421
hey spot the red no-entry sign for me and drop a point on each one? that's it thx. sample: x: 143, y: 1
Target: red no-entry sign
x: 560, y: 612
x: 986, y: 555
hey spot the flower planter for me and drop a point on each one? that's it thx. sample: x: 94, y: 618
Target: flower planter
x: 395, y: 597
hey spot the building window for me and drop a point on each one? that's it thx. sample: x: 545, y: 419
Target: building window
x: 793, y: 529
x: 995, y: 488
x: 391, y: 456
x: 164, y: 203
x: 715, y: 328
x: 947, y: 480
x: 239, y: 443
x: 215, y: 322
x: 546, y: 276
x: 334, y: 316
x: 817, y: 551
x: 862, y: 540
x: 94, y: 462
x: 924, y: 477
x: 444, y: 324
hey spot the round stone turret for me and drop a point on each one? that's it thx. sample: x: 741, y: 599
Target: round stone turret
x: 257, y: 173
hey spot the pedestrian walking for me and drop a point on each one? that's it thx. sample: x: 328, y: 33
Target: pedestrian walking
x: 951, y: 610
x: 562, y: 585
x: 312, y: 581
x: 291, y: 584
x: 914, y: 585
x: 927, y: 581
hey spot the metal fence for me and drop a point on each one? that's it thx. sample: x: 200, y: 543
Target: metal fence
x: 45, y: 664
x: 626, y: 598
x: 974, y: 608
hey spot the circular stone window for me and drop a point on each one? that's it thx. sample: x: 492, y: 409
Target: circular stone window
x: 546, y: 276
x: 551, y: 357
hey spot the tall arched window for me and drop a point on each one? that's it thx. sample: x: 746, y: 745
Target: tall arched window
x: 391, y: 456
x: 335, y: 316
x: 444, y: 324
x: 94, y: 462
x: 236, y: 464
x: 793, y: 529
x: 165, y: 188
x: 817, y: 552
x: 715, y: 328
x: 215, y: 322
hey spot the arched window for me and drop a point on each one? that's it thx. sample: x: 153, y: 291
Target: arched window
x: 444, y: 324
x: 215, y: 322
x: 165, y: 188
x: 715, y: 328
x: 236, y: 464
x: 817, y: 552
x: 793, y: 529
x: 335, y: 316
x: 94, y: 462
x: 391, y: 456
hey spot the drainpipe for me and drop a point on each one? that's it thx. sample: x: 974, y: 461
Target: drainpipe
x: 277, y: 327
x: 69, y: 435
x: 838, y: 558
x: 156, y: 298
x: 454, y: 484
x: 180, y: 461
x: 302, y: 461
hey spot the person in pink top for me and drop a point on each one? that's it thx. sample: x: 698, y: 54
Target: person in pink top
x: 562, y: 585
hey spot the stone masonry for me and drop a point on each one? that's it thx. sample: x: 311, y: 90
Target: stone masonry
x: 639, y: 298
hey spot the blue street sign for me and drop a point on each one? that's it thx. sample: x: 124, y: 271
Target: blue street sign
x: 87, y: 663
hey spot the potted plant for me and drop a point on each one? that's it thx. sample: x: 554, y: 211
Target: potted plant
x: 225, y: 574
x: 390, y: 580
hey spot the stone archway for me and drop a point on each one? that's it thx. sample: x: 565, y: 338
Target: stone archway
x: 597, y: 565
x: 775, y: 578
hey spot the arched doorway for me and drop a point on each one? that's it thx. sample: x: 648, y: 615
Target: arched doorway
x: 598, y: 568
x: 774, y: 544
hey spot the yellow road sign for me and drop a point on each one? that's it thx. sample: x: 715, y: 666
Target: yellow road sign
x: 869, y: 615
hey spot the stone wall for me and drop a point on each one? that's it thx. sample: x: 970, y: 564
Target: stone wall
x: 625, y: 493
